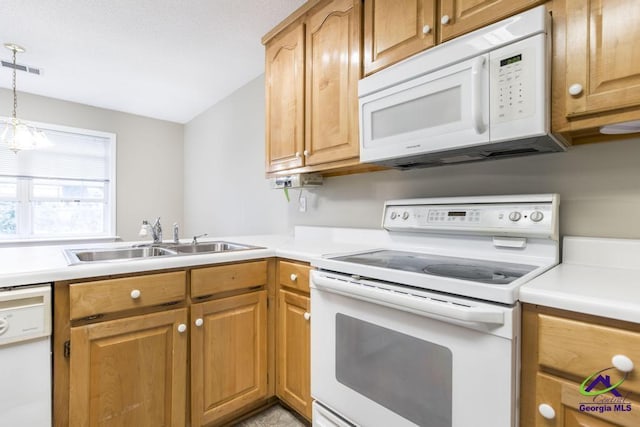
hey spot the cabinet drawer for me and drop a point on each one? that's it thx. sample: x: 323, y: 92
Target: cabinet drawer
x: 294, y: 275
x: 112, y: 295
x: 213, y: 280
x: 582, y: 349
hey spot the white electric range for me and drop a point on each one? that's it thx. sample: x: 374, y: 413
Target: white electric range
x: 426, y: 330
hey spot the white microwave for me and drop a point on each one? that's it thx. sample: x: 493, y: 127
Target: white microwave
x: 481, y: 96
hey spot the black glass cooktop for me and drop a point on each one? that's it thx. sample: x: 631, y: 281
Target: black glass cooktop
x: 492, y: 272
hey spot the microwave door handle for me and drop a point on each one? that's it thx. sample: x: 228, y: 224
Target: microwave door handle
x: 423, y: 307
x: 476, y: 94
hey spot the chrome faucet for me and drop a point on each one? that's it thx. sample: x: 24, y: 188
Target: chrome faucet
x: 195, y: 238
x: 176, y: 237
x: 156, y: 231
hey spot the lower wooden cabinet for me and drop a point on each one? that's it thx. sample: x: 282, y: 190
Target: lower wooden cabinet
x: 293, y: 383
x: 564, y: 356
x: 228, y: 355
x: 293, y: 336
x: 130, y: 372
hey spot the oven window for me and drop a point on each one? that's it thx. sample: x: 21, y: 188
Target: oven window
x: 406, y: 375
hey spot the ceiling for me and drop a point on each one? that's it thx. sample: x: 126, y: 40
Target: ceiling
x: 166, y: 59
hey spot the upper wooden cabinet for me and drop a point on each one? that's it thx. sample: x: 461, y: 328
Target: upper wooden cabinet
x: 396, y: 29
x: 311, y: 76
x: 596, y: 64
x: 461, y: 16
x: 284, y: 83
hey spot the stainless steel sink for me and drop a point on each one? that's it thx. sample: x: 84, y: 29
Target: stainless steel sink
x: 81, y: 256
x: 207, y: 247
x: 75, y: 256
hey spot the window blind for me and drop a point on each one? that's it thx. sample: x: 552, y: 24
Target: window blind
x: 71, y: 156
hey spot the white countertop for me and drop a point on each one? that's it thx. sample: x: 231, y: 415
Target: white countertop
x: 600, y: 277
x: 41, y: 264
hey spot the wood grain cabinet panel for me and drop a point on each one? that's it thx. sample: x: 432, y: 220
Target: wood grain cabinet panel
x: 294, y: 275
x: 601, y: 62
x: 214, y: 280
x: 129, y: 372
x: 395, y: 30
x: 293, y: 353
x: 462, y: 16
x: 561, y: 351
x: 126, y: 293
x: 228, y: 355
x: 333, y: 71
x: 284, y: 81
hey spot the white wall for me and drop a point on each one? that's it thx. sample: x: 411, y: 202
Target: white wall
x: 225, y: 190
x: 149, y: 174
x: 226, y: 193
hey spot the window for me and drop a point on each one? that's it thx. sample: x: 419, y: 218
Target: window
x: 63, y: 191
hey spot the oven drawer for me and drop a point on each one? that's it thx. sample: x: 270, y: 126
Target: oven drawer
x: 113, y: 295
x: 294, y: 275
x: 581, y: 349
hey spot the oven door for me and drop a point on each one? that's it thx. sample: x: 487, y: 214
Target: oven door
x: 443, y: 110
x: 437, y: 361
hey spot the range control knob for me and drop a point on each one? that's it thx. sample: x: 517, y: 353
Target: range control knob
x: 536, y: 216
x: 405, y: 215
x: 394, y: 215
x: 515, y: 216
x: 4, y: 326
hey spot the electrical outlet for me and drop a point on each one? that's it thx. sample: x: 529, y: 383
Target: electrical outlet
x: 303, y: 204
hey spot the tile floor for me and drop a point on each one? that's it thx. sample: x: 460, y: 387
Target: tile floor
x: 275, y: 416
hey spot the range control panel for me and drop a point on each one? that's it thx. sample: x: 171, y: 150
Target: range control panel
x: 537, y: 218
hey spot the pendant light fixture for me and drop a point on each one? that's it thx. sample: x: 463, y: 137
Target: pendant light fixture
x: 18, y: 135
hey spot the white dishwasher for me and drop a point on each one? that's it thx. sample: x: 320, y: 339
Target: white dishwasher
x: 25, y: 356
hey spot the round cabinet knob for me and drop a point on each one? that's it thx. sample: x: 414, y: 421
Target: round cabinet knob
x: 182, y: 327
x: 394, y: 215
x: 426, y: 29
x: 135, y: 294
x: 405, y: 215
x: 307, y: 315
x: 297, y: 154
x: 515, y: 216
x: 622, y: 363
x: 199, y: 322
x: 293, y: 277
x: 305, y: 153
x: 536, y: 216
x: 445, y: 19
x: 547, y: 411
x: 575, y: 89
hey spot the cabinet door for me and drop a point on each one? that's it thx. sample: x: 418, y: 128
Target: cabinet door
x: 284, y: 75
x: 602, y: 56
x: 228, y: 355
x: 461, y: 16
x: 395, y: 30
x: 333, y: 71
x: 129, y: 372
x: 293, y: 379
x: 570, y: 406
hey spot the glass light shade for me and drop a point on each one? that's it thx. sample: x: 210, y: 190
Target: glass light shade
x: 20, y: 136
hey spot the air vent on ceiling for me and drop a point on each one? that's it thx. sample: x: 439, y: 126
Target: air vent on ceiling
x: 21, y: 67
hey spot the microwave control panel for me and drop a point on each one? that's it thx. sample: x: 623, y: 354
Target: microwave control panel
x: 514, y: 86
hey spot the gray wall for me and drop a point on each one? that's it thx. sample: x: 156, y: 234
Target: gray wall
x: 226, y: 193
x: 149, y: 174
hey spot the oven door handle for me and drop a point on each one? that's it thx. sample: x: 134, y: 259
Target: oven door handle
x: 410, y: 303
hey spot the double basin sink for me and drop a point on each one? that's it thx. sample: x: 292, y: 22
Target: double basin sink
x: 81, y: 256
